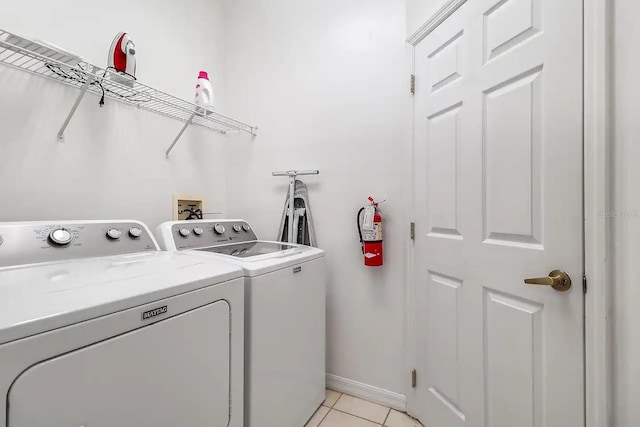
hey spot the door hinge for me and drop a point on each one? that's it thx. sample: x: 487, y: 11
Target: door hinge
x: 412, y: 232
x: 413, y: 84
x: 414, y: 378
x: 584, y: 283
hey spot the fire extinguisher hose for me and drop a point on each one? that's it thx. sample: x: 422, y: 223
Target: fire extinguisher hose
x: 360, y: 228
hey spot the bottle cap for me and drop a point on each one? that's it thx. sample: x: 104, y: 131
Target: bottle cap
x: 203, y: 75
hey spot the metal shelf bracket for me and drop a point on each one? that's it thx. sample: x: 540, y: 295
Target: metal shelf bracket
x: 175, y: 141
x: 83, y: 90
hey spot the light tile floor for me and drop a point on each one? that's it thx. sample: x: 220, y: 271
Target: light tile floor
x: 342, y: 410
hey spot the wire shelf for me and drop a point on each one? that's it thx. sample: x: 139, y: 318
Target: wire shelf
x: 56, y: 64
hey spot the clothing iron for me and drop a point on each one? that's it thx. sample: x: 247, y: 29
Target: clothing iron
x: 122, y: 59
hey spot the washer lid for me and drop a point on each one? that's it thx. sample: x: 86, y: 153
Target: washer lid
x: 44, y: 297
x: 257, y: 248
x: 265, y: 258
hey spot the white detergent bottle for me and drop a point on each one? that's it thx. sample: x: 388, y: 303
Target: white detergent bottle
x: 204, y: 93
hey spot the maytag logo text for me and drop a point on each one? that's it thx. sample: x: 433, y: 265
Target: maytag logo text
x: 153, y: 313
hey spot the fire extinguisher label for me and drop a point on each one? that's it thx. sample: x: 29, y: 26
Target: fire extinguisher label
x: 373, y: 235
x: 367, y: 222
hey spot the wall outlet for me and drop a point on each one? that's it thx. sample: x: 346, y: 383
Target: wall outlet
x: 187, y: 206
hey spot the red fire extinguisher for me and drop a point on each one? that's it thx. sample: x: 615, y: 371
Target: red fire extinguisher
x: 370, y: 231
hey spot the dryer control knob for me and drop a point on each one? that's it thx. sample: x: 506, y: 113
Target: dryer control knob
x: 184, y: 232
x: 219, y: 229
x: 114, y: 234
x: 237, y: 228
x: 60, y: 236
x: 135, y: 232
x: 198, y: 231
x: 246, y: 227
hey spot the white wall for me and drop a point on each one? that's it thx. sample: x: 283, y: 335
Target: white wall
x: 626, y: 205
x: 327, y: 83
x: 420, y: 11
x: 112, y: 164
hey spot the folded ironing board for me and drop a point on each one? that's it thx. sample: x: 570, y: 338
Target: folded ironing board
x: 303, y: 230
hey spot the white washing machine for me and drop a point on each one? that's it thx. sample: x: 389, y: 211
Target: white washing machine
x: 284, y: 316
x: 98, y: 328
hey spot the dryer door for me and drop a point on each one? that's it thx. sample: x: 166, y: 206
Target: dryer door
x: 171, y: 373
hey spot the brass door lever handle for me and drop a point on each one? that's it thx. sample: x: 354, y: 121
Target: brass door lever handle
x: 557, y: 279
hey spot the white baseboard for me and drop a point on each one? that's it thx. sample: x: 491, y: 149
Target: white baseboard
x: 368, y: 392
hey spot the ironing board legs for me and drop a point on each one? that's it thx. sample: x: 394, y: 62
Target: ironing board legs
x: 292, y: 174
x: 292, y: 192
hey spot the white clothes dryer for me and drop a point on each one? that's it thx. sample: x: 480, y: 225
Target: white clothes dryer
x: 99, y: 328
x: 285, y: 312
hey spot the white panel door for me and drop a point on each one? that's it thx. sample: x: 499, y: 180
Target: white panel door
x: 498, y: 198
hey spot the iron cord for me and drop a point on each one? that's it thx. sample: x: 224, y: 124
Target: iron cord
x: 80, y: 78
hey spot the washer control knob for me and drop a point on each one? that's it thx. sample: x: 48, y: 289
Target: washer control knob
x: 60, y: 236
x: 184, y: 232
x: 246, y: 227
x: 198, y: 231
x: 237, y: 228
x: 114, y: 234
x: 135, y: 232
x: 219, y: 229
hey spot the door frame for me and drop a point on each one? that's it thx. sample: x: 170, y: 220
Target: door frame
x: 597, y: 30
x: 597, y: 46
